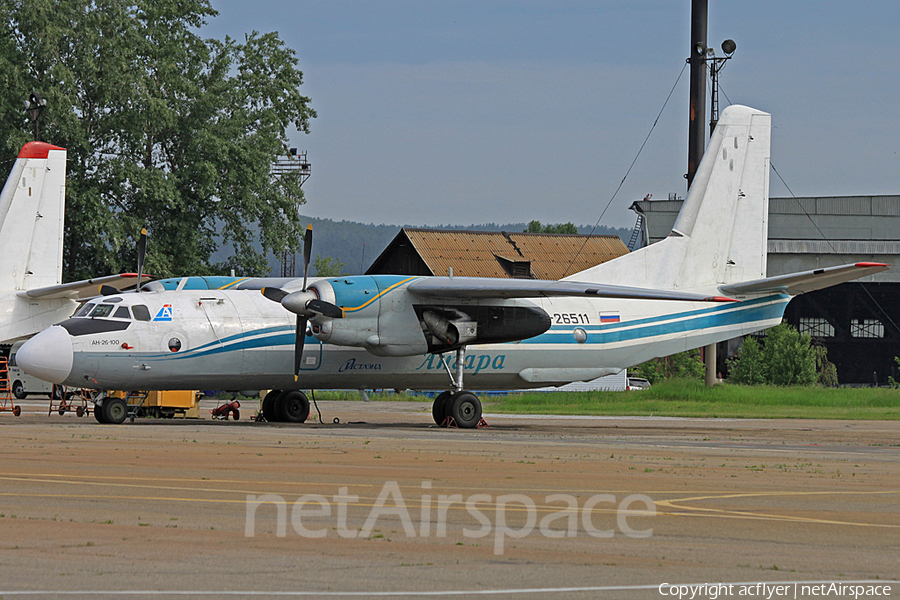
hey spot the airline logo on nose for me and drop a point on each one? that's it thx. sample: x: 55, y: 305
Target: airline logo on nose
x: 164, y: 314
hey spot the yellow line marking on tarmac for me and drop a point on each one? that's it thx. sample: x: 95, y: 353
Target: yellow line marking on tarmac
x: 364, y: 501
x: 742, y: 514
x: 453, y: 506
x: 68, y: 477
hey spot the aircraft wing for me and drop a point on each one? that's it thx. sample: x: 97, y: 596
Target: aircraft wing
x: 488, y: 287
x: 80, y: 290
x: 806, y: 281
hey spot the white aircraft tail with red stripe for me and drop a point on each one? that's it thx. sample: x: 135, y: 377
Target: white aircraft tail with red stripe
x: 32, y: 205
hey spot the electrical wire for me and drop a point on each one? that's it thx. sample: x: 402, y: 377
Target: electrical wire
x: 830, y: 245
x: 628, y: 172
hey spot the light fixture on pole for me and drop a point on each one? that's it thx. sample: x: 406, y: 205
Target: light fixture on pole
x: 34, y: 106
x: 715, y: 65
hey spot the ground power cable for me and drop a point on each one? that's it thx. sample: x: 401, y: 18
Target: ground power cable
x: 627, y: 173
x: 312, y: 394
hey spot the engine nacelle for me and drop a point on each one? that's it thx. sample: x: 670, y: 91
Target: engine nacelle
x: 377, y: 317
x: 381, y: 316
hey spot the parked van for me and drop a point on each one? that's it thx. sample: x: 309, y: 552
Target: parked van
x: 637, y: 383
x: 22, y: 384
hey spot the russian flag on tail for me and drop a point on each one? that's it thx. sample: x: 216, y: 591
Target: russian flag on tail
x: 609, y: 318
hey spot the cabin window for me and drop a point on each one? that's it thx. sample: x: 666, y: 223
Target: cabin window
x: 141, y: 312
x: 85, y: 310
x: 102, y: 310
x: 122, y: 313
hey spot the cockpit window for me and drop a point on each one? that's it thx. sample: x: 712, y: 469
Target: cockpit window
x: 122, y: 313
x: 102, y: 310
x: 85, y: 310
x: 141, y: 312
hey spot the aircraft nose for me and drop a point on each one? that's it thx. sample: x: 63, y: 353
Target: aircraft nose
x: 48, y: 355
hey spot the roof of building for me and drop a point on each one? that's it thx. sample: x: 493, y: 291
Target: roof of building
x: 505, y: 254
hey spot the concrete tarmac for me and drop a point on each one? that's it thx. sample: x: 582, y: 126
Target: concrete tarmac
x: 385, y: 503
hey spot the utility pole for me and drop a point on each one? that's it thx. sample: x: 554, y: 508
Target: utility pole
x: 697, y: 60
x: 697, y: 127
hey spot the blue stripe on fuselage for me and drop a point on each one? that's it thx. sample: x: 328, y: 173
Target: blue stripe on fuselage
x: 770, y: 307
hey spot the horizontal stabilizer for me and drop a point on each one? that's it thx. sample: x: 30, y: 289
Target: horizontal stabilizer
x: 87, y: 288
x: 488, y: 287
x: 807, y: 281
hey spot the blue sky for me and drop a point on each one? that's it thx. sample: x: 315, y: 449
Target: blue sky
x: 457, y: 112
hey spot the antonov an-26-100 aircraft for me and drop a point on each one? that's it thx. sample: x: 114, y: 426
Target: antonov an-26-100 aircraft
x: 704, y: 283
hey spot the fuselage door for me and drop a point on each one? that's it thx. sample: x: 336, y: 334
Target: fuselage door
x: 225, y: 328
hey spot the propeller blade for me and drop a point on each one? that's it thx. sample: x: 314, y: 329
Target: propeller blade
x: 325, y: 308
x: 307, y: 253
x: 273, y: 294
x: 299, y: 340
x: 142, y: 253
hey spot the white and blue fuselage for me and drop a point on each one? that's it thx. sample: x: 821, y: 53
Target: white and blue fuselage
x: 236, y: 339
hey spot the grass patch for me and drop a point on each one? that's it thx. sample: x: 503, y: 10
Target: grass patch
x: 693, y: 399
x: 680, y: 398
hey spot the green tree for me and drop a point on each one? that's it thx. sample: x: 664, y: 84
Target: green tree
x: 163, y: 128
x: 891, y: 381
x: 325, y: 266
x: 749, y: 366
x: 786, y: 357
x: 538, y: 227
x: 825, y: 369
x: 684, y: 365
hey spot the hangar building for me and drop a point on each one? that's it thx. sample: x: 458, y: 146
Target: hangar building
x: 494, y: 253
x: 856, y: 321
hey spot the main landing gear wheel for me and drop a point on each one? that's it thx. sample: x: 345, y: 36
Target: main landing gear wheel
x: 439, y: 408
x: 462, y: 409
x: 292, y: 407
x: 465, y: 409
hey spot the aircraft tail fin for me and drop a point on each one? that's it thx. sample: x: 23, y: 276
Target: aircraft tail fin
x: 32, y: 206
x: 720, y: 235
